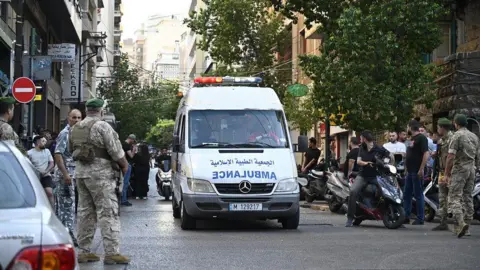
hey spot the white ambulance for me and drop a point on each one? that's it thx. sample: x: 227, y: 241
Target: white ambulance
x: 232, y: 154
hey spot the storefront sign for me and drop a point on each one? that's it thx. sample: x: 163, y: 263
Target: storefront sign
x: 64, y: 52
x: 70, y: 81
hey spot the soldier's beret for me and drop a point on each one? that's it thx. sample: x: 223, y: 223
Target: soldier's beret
x: 7, y: 100
x: 461, y: 119
x: 95, y: 103
x: 444, y: 122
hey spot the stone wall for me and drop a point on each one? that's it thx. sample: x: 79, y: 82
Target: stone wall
x: 470, y: 13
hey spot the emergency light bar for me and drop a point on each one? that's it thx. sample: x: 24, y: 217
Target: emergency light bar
x: 227, y: 80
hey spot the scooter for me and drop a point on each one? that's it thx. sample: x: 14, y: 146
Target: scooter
x: 432, y: 200
x: 476, y: 197
x: 338, y: 191
x: 317, y: 181
x: 164, y: 180
x: 383, y: 200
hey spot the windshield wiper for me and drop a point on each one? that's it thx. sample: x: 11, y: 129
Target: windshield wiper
x: 220, y: 144
x: 255, y: 144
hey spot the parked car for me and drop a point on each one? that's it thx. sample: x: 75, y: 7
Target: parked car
x: 31, y: 236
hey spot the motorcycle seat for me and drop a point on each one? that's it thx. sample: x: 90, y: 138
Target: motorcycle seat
x: 317, y: 173
x: 341, y: 176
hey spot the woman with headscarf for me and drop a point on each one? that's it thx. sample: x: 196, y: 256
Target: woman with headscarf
x: 141, y: 162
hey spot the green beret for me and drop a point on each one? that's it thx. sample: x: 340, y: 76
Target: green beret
x: 95, y: 103
x: 444, y: 122
x: 461, y: 119
x: 8, y: 100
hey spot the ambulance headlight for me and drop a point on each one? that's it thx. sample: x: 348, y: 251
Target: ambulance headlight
x: 200, y: 186
x: 287, y: 185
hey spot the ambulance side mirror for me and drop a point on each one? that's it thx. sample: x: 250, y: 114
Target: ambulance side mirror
x: 302, y: 144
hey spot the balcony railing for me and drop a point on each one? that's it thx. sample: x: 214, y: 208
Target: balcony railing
x: 117, y: 52
x: 117, y: 31
x: 117, y: 12
x: 4, y: 26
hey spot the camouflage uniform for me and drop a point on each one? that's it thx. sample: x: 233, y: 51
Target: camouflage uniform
x: 464, y: 144
x: 442, y: 151
x: 64, y: 193
x: 96, y: 186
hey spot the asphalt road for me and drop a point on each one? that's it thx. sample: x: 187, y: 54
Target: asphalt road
x: 154, y: 240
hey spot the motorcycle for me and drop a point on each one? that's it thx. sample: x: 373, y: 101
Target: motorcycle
x: 164, y: 180
x: 317, y: 181
x: 338, y: 191
x: 476, y: 197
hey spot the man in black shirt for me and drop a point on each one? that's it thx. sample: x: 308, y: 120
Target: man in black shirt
x: 417, y: 157
x: 164, y: 156
x: 311, y: 156
x: 128, y: 148
x: 352, y: 156
x: 367, y: 174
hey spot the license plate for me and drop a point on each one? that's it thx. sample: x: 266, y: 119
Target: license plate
x: 246, y: 207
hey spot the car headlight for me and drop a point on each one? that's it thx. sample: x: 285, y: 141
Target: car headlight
x: 200, y: 186
x: 287, y: 185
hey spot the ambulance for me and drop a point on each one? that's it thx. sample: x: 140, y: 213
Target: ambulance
x: 232, y: 154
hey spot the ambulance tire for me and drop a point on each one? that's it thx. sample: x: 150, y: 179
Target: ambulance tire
x: 188, y: 222
x: 177, y: 212
x: 291, y: 223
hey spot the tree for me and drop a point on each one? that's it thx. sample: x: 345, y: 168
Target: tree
x: 161, y: 135
x: 138, y: 106
x: 371, y: 67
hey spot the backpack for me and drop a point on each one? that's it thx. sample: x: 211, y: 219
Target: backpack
x: 83, y: 148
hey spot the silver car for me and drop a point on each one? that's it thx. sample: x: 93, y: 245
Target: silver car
x: 31, y: 236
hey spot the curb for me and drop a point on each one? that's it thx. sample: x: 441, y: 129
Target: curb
x: 318, y: 207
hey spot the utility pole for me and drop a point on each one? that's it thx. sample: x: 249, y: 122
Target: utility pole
x: 327, y: 142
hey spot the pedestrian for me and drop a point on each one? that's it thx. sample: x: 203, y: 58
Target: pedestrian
x: 463, y: 151
x: 445, y: 134
x: 7, y: 134
x: 312, y: 155
x: 129, y: 149
x: 42, y: 160
x: 142, y: 171
x: 98, y: 154
x: 416, y: 160
x: 64, y: 192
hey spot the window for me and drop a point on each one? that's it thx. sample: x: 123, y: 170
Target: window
x: 237, y: 128
x: 444, y: 49
x: 15, y: 188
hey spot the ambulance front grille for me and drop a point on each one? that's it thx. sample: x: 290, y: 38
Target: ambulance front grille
x: 235, y: 189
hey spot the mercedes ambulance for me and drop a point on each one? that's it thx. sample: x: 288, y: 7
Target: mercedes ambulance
x: 232, y: 154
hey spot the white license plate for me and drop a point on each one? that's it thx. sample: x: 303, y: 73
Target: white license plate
x: 246, y: 207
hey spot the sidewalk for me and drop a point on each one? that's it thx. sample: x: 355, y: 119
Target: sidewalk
x: 315, y: 205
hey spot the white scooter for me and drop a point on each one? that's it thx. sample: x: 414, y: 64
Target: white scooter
x: 164, y: 180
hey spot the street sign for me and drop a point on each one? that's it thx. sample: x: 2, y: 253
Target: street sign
x: 23, y: 90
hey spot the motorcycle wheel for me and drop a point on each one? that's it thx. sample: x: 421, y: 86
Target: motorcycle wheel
x: 394, y: 216
x: 166, y: 193
x: 309, y: 198
x: 429, y: 213
x: 334, y: 205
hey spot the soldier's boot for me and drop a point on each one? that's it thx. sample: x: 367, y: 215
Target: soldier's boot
x: 116, y: 259
x: 461, y: 225
x: 87, y: 257
x: 443, y: 226
x: 468, y: 222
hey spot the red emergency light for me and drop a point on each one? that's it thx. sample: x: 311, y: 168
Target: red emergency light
x: 208, y: 80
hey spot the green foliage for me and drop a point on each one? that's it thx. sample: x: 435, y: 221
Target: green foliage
x: 161, y: 135
x: 138, y: 106
x: 301, y: 112
x: 371, y: 67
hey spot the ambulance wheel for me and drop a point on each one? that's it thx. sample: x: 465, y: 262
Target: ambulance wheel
x: 188, y: 222
x: 291, y: 223
x: 177, y: 212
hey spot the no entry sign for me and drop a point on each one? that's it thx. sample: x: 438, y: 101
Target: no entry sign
x: 23, y: 90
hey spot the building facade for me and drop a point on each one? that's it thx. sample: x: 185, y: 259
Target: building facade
x: 107, y: 25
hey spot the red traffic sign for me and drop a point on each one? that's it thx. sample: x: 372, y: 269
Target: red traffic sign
x: 24, y: 90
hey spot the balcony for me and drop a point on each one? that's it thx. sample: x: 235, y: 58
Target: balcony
x: 117, y: 52
x: 117, y: 34
x: 7, y: 30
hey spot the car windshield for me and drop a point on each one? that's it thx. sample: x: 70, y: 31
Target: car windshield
x: 15, y: 188
x: 237, y: 128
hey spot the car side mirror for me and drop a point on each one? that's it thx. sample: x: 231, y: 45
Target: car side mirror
x: 176, y: 143
x: 302, y: 144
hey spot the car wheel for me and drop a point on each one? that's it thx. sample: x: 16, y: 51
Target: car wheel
x: 292, y: 222
x: 177, y: 212
x: 188, y: 222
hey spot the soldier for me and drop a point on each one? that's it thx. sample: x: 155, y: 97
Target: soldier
x: 7, y: 106
x: 98, y: 153
x: 460, y: 173
x: 64, y: 171
x: 444, y: 126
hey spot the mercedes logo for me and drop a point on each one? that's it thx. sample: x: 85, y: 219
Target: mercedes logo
x: 245, y: 186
